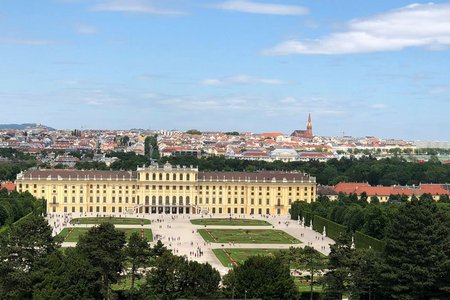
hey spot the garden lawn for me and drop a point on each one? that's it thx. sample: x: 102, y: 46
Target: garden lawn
x: 113, y: 220
x: 73, y: 234
x: 124, y: 284
x: 247, y: 236
x: 303, y: 285
x: 230, y: 222
x: 238, y: 256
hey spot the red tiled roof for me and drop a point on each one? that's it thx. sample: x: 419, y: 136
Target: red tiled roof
x: 434, y: 189
x: 271, y: 134
x: 359, y: 188
x: 10, y: 186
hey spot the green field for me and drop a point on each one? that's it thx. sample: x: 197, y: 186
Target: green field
x: 303, y: 285
x: 124, y: 283
x: 75, y: 233
x: 238, y: 256
x: 247, y: 236
x: 230, y: 222
x: 117, y: 221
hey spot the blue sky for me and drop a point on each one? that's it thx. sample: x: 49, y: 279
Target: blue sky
x: 379, y: 69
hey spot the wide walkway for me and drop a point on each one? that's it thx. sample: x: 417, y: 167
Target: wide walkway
x: 178, y: 234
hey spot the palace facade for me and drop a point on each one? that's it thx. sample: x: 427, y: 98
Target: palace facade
x: 167, y: 189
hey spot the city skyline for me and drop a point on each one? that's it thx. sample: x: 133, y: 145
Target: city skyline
x: 257, y: 66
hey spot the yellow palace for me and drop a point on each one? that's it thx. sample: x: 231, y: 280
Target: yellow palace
x: 167, y: 189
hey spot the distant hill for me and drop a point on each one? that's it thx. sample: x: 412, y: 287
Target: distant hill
x: 24, y: 126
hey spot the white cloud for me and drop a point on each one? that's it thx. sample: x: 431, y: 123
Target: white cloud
x: 418, y: 25
x: 84, y: 28
x: 378, y: 106
x: 134, y: 6
x: 265, y: 105
x: 440, y: 89
x: 262, y: 8
x: 241, y: 79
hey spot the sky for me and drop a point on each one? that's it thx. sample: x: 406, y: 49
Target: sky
x: 361, y: 68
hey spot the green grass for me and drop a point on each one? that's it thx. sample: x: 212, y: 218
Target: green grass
x: 303, y: 285
x: 75, y: 233
x: 113, y: 220
x: 230, y: 222
x: 124, y: 284
x: 247, y: 236
x: 233, y: 256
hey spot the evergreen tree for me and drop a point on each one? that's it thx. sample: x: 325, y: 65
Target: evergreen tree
x: 337, y: 279
x: 417, y: 252
x: 374, y: 222
x: 365, y: 271
x: 26, y: 244
x: 174, y: 277
x: 261, y: 277
x: 67, y: 276
x: 136, y: 252
x: 103, y: 248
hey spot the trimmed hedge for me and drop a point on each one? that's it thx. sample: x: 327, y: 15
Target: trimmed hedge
x: 40, y: 208
x: 333, y: 229
x: 6, y: 228
x: 27, y: 216
x: 365, y: 241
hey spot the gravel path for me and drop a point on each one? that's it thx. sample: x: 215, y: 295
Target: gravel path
x: 177, y: 233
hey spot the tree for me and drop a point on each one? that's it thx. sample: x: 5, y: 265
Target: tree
x: 363, y: 198
x: 337, y: 279
x: 27, y: 243
x: 199, y: 280
x: 4, y: 215
x: 29, y: 240
x: 374, y: 222
x: 310, y: 260
x: 444, y: 199
x: 365, y: 272
x: 193, y: 131
x: 262, y: 277
x: 159, y: 249
x: 174, y: 277
x: 161, y: 282
x: 136, y: 252
x: 417, y: 252
x: 374, y: 200
x: 354, y: 218
x: 67, y: 276
x: 103, y: 248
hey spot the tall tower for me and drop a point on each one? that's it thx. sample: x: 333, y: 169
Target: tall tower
x: 309, y: 131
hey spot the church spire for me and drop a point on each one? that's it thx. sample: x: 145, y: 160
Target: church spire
x: 309, y: 125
